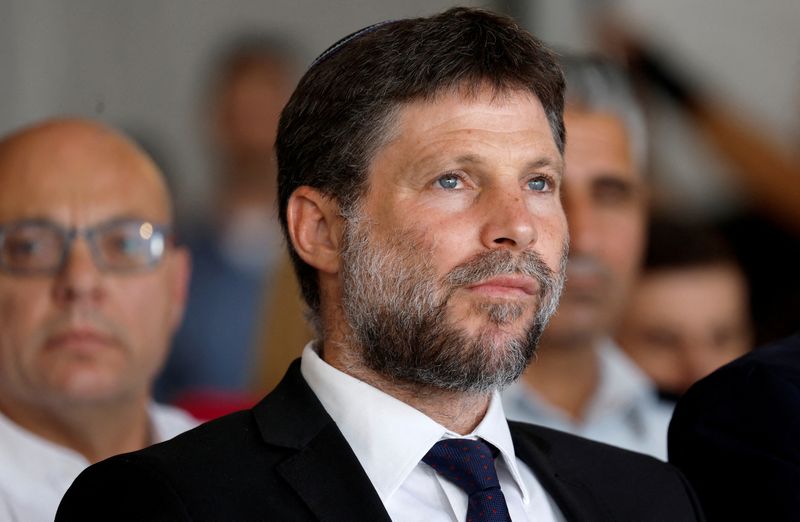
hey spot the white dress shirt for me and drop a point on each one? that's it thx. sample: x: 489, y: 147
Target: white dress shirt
x: 389, y: 438
x: 35, y: 473
x: 625, y: 410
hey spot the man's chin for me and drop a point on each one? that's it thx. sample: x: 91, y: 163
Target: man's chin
x: 87, y: 384
x: 498, y: 337
x: 567, y: 331
x: 580, y: 312
x: 498, y: 318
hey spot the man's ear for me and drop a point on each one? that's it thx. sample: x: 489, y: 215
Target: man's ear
x: 180, y: 262
x: 315, y: 228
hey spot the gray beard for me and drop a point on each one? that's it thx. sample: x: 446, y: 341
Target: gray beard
x: 396, y: 308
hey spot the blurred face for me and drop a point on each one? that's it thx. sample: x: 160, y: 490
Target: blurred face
x: 453, y: 262
x: 83, y: 335
x: 604, y: 202
x: 683, y: 324
x: 249, y: 107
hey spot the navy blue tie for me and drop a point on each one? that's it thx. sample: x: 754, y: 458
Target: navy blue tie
x: 469, y: 464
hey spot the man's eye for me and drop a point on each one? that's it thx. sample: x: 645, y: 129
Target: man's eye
x: 17, y: 248
x: 538, y: 184
x: 122, y: 244
x: 613, y: 191
x: 449, y: 182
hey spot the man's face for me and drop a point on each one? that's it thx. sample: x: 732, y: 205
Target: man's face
x: 682, y: 324
x: 452, y: 264
x: 248, y: 108
x: 83, y: 335
x: 605, y: 205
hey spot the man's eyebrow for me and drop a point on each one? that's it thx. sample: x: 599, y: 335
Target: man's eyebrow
x: 469, y: 158
x: 539, y: 163
x: 544, y: 161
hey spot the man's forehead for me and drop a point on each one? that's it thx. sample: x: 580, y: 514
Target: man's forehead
x: 76, y: 172
x: 598, y: 137
x: 589, y: 122
x: 469, y: 127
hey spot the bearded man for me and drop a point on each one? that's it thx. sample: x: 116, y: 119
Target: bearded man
x: 420, y: 163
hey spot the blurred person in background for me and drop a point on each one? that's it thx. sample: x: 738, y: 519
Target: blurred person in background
x: 237, y: 251
x: 767, y: 173
x: 582, y: 382
x: 688, y: 313
x: 91, y: 290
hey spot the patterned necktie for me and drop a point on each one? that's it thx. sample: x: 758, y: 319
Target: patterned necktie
x: 469, y: 464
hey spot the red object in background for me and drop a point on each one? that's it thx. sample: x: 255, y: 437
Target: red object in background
x: 206, y: 405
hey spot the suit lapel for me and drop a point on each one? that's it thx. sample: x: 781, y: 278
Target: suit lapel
x: 323, y: 471
x: 333, y: 484
x: 571, y: 495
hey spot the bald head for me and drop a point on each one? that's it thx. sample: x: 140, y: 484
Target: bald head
x: 75, y: 160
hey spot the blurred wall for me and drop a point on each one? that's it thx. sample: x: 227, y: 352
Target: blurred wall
x: 749, y: 52
x: 744, y: 54
x: 143, y: 64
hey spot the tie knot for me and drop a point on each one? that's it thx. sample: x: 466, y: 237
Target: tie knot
x: 467, y: 463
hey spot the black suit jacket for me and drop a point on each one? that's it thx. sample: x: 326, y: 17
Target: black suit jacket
x: 736, y: 436
x: 286, y: 460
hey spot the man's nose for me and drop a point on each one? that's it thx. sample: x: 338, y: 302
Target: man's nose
x: 509, y: 222
x: 79, y: 278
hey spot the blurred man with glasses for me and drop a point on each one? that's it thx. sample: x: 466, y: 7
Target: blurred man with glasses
x: 91, y: 290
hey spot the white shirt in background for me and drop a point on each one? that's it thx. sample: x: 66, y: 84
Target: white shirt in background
x: 35, y: 473
x: 625, y: 411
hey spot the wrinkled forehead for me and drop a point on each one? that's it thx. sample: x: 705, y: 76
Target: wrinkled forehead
x: 79, y: 179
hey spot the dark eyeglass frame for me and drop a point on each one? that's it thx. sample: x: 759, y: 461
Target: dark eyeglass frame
x: 90, y: 234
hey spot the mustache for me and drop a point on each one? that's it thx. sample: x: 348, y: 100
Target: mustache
x: 84, y: 320
x: 493, y: 263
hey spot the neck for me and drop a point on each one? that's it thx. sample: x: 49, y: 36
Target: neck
x: 95, y: 431
x: 566, y: 375
x: 457, y: 411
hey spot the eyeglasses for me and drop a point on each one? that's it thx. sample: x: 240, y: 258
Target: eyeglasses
x: 41, y: 247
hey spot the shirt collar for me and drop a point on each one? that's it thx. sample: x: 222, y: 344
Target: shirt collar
x: 622, y: 385
x: 388, y: 436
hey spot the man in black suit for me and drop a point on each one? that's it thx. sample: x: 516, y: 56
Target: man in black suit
x: 420, y: 163
x: 736, y: 436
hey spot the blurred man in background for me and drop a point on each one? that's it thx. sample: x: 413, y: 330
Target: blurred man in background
x: 91, y: 290
x: 237, y: 250
x: 688, y: 313
x: 582, y: 382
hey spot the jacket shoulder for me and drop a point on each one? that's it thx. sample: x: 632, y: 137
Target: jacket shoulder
x: 220, y: 469
x: 622, y: 484
x: 734, y: 435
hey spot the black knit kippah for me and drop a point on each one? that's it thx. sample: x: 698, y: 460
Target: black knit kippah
x: 330, y: 51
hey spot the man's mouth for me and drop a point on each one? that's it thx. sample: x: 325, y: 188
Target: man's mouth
x: 79, y: 338
x: 508, y: 286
